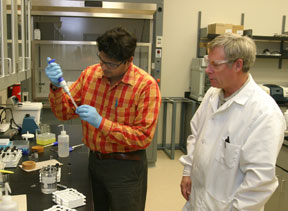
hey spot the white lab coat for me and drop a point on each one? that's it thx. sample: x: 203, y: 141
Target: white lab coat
x: 239, y: 175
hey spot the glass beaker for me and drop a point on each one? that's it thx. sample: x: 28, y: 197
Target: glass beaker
x: 48, y: 179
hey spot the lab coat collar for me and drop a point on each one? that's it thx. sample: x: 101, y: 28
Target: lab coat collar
x: 240, y: 98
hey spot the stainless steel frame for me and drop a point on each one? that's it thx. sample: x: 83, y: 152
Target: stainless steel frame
x: 15, y: 52
x: 112, y: 10
x: 23, y: 35
x: 108, y: 9
x: 169, y: 149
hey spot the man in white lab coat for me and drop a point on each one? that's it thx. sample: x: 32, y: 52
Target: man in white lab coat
x: 237, y: 133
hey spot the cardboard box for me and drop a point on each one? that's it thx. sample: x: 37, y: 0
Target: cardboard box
x: 219, y: 28
x: 238, y: 29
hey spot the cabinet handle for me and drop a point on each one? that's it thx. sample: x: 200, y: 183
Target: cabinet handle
x: 25, y: 62
x: 9, y: 66
x: 28, y: 60
x: 282, y: 185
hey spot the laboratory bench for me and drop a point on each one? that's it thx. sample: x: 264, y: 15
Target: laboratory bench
x: 74, y: 173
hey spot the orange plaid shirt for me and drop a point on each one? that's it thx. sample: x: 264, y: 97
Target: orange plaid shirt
x: 129, y: 109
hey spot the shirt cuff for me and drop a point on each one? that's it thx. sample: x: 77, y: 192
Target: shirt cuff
x: 187, y: 171
x: 105, y: 126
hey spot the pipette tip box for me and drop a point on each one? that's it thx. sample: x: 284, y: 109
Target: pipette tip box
x: 4, y: 142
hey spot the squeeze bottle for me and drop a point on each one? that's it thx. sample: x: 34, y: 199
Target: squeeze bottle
x: 63, y: 143
x: 7, y: 203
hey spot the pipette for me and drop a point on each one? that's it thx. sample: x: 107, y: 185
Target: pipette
x: 64, y: 85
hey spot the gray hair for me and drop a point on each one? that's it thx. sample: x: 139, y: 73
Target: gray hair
x: 236, y: 47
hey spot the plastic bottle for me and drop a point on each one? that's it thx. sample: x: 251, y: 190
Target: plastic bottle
x: 63, y: 143
x: 7, y: 203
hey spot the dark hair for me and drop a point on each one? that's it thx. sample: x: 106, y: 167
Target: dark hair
x: 117, y: 43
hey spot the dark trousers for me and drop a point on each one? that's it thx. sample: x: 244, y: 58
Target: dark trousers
x: 118, y: 185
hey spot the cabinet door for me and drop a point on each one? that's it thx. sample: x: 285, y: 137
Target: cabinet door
x: 283, y: 206
x: 273, y: 203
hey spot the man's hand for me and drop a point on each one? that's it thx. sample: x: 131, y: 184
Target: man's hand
x: 186, y: 187
x: 53, y: 72
x: 89, y: 114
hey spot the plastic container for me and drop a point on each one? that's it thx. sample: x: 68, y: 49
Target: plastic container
x: 21, y: 144
x: 5, y: 143
x: 7, y: 203
x: 45, y: 138
x: 63, y: 143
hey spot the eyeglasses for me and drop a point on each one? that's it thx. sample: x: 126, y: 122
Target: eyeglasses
x: 109, y: 64
x: 215, y: 63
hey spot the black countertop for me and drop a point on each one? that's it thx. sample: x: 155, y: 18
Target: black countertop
x: 74, y: 173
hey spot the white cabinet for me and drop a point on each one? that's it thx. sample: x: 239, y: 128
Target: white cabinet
x: 273, y: 203
x: 15, y: 57
x: 279, y: 199
x: 283, y: 203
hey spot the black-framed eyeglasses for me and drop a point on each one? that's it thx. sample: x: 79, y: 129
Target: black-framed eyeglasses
x: 109, y: 64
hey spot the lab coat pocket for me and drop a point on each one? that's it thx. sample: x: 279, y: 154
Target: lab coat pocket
x: 228, y: 154
x: 231, y: 154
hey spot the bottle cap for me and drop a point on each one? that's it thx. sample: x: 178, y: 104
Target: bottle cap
x: 63, y: 132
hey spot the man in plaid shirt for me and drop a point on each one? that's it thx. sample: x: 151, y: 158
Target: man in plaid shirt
x: 119, y: 105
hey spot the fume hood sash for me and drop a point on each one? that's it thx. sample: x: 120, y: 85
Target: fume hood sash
x: 108, y: 9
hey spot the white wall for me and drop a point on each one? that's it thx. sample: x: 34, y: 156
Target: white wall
x: 180, y: 36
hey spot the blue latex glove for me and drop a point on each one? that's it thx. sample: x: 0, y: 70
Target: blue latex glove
x: 89, y: 114
x: 53, y: 72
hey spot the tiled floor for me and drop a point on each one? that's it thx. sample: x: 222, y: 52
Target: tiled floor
x: 164, y: 184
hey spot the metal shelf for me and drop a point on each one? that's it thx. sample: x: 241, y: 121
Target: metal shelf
x: 257, y: 38
x: 270, y: 38
x: 269, y: 56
